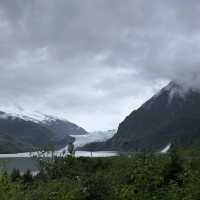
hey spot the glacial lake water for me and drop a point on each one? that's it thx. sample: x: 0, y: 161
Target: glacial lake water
x: 24, y: 161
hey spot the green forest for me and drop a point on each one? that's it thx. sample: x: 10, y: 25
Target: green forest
x: 142, y: 176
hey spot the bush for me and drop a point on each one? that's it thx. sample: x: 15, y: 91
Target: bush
x: 152, y: 177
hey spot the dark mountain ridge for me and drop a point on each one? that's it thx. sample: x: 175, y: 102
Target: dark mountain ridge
x: 20, y: 134
x: 171, y: 116
x: 62, y: 127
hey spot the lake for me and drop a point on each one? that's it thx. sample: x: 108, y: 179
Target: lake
x: 24, y: 161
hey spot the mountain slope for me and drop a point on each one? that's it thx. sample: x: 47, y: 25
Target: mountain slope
x: 20, y: 133
x: 62, y: 127
x: 63, y: 130
x: 172, y: 115
x: 9, y: 144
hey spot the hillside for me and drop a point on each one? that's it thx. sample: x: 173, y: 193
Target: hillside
x: 19, y: 133
x: 62, y: 127
x: 171, y: 116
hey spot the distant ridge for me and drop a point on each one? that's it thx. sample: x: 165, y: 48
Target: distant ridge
x: 20, y: 133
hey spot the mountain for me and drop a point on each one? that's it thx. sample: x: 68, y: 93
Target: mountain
x: 9, y: 144
x: 29, y: 133
x: 171, y: 116
x: 19, y: 133
x: 62, y: 127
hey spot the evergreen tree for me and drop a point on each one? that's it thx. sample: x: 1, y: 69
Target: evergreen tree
x: 15, y: 174
x: 71, y: 149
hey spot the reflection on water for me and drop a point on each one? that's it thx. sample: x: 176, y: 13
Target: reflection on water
x: 8, y: 164
x: 60, y: 153
x: 96, y: 154
x: 23, y: 161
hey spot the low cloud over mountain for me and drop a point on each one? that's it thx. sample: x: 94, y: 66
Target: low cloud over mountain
x: 94, y: 61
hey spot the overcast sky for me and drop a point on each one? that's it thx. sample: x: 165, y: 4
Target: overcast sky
x: 94, y: 61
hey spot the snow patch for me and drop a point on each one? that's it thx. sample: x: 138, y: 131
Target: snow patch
x: 166, y: 149
x: 34, y: 116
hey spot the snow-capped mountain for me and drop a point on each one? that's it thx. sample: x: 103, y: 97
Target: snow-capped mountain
x: 173, y: 90
x: 170, y: 116
x: 23, y: 131
x: 62, y: 127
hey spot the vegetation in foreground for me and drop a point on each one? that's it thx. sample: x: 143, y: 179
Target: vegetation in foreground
x: 141, y: 177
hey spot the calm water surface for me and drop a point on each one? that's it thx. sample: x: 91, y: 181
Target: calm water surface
x: 24, y: 161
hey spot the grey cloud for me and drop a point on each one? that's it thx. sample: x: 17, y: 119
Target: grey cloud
x: 90, y: 59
